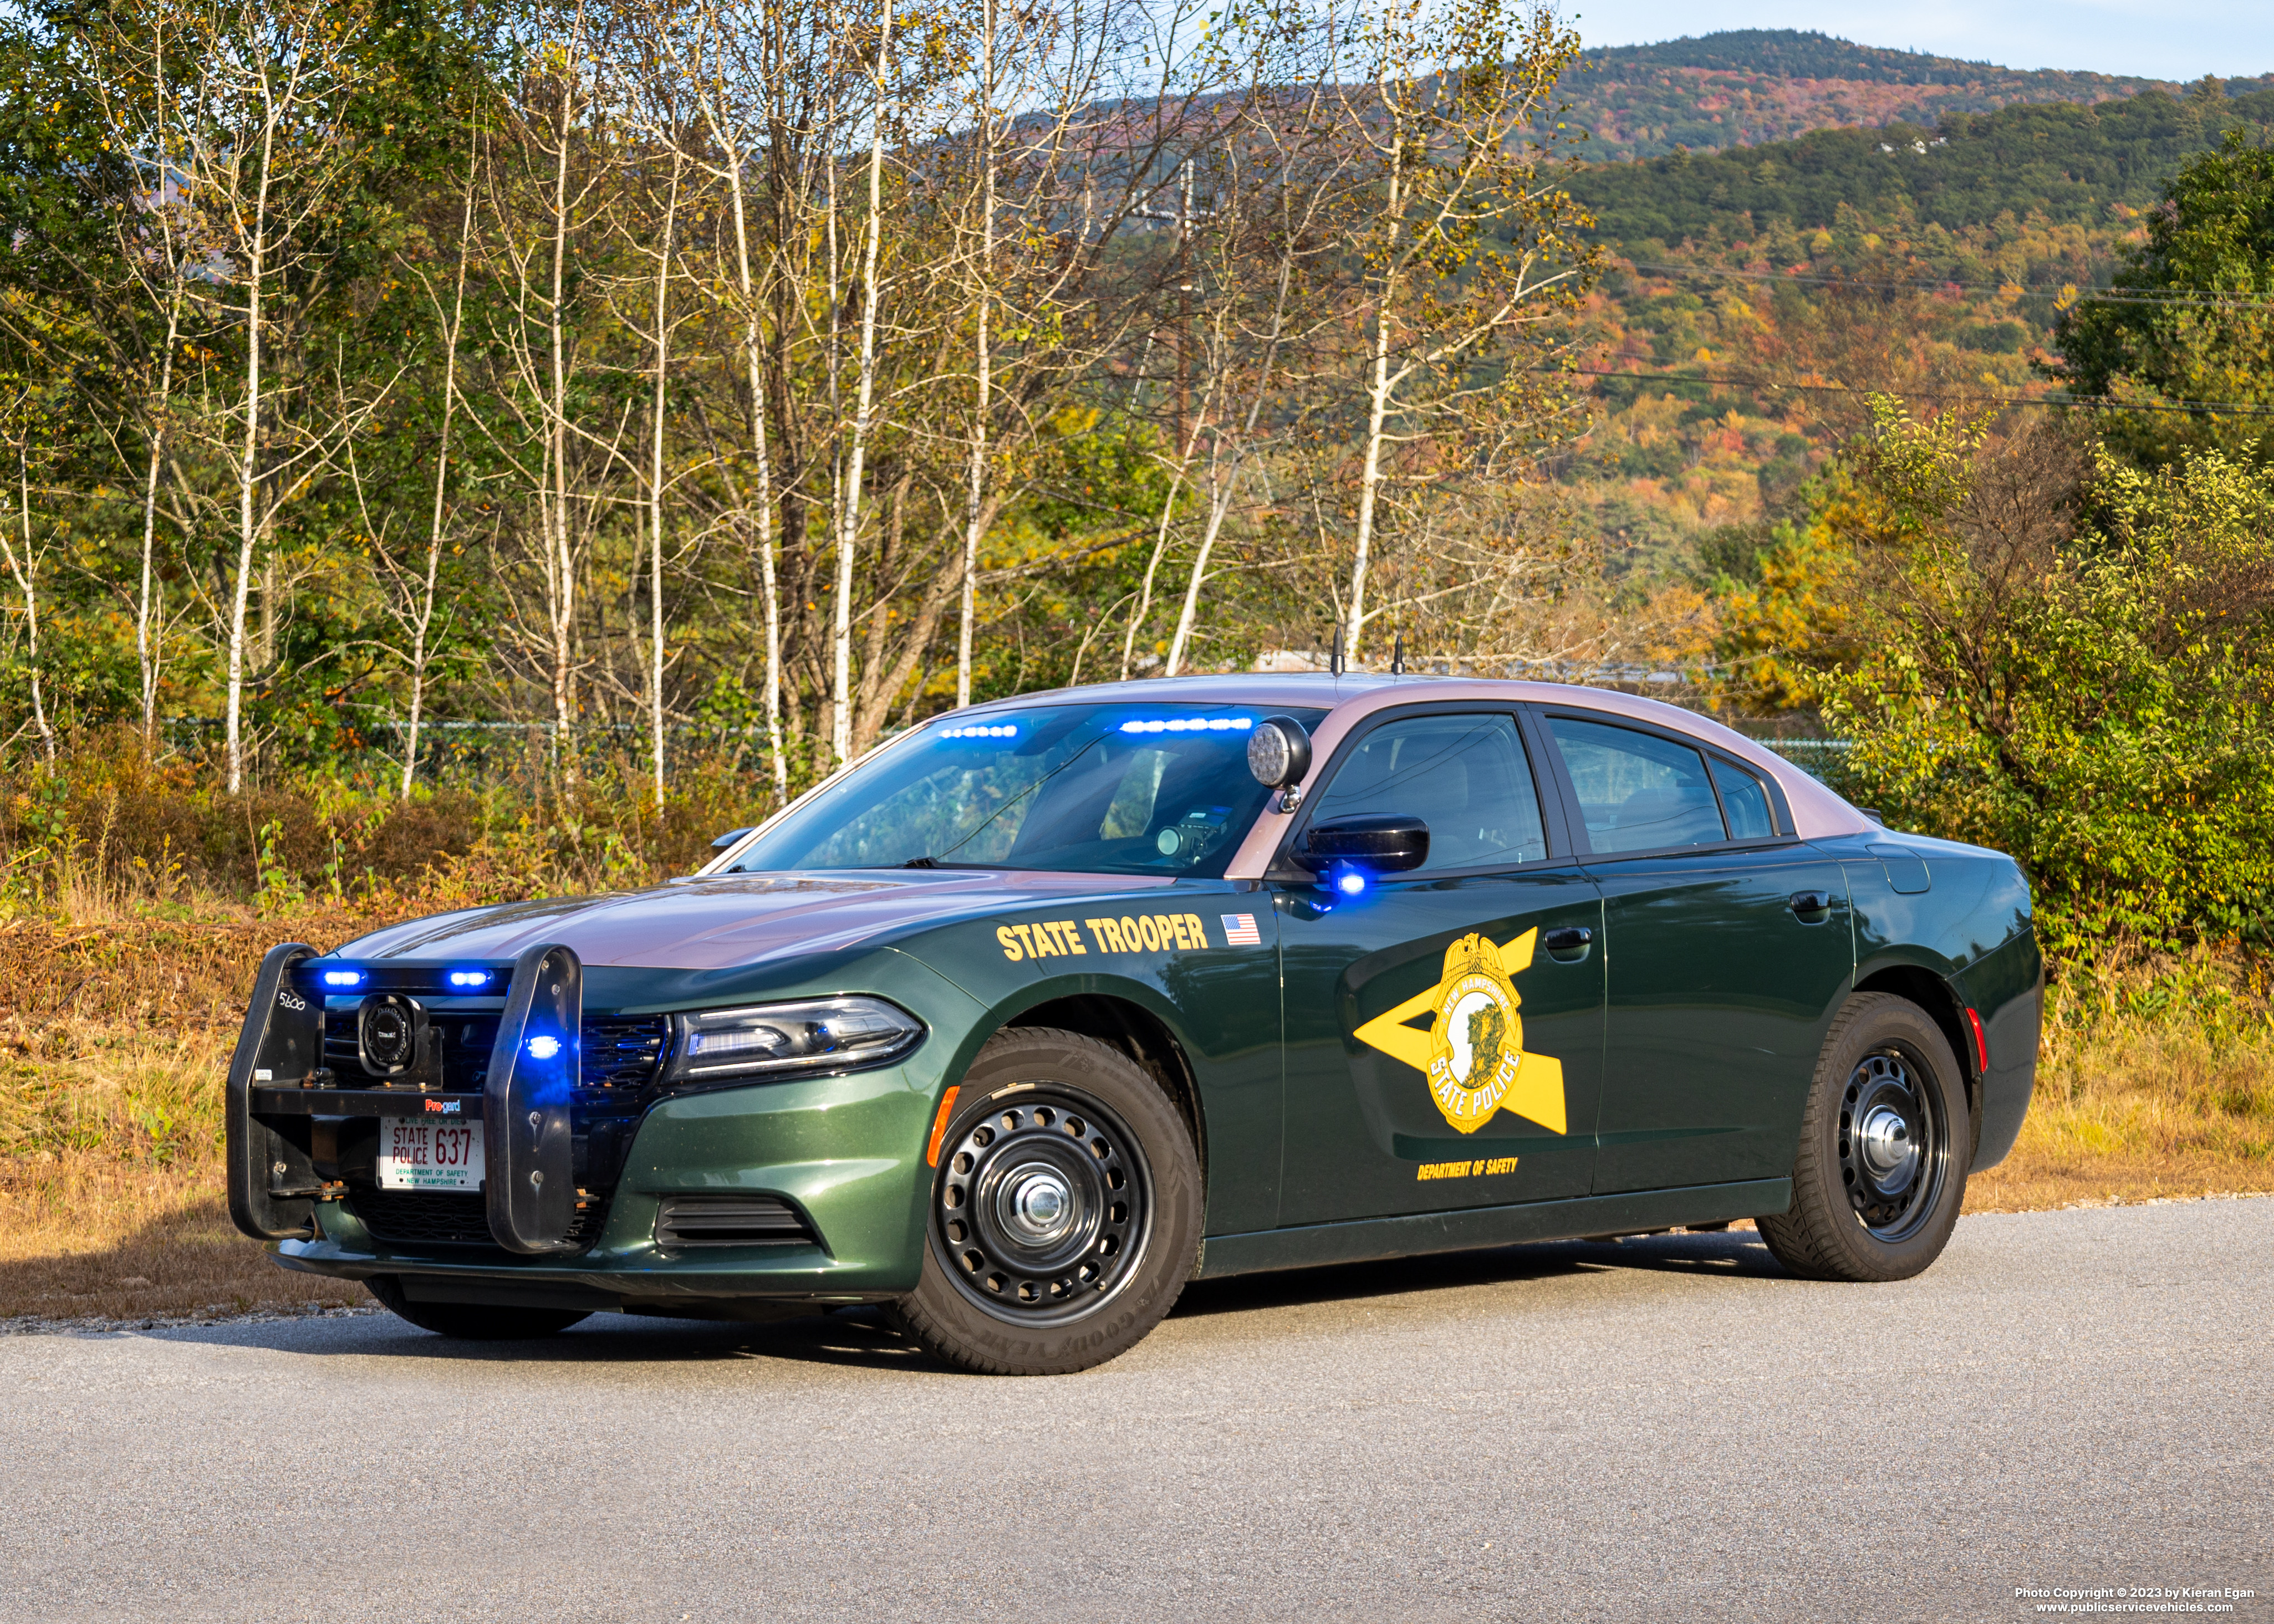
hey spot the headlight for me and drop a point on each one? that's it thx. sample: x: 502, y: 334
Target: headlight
x: 772, y: 1040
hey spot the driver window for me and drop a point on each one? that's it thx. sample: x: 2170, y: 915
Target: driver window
x: 1465, y: 776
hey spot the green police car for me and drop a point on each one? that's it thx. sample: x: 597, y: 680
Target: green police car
x: 1050, y: 1005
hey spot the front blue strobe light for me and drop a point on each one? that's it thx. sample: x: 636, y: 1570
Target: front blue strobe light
x: 1350, y: 882
x: 470, y: 978
x: 343, y: 978
x: 544, y: 1047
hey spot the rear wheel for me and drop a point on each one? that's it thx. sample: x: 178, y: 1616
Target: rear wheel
x: 1881, y: 1171
x: 1065, y: 1213
x: 471, y: 1321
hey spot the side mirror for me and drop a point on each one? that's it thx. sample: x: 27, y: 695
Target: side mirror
x: 1278, y: 752
x: 1372, y: 843
x: 730, y: 837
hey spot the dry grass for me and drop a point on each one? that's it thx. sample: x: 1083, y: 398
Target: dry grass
x: 96, y: 1236
x: 114, y: 1039
x: 2130, y: 1107
x: 114, y: 1044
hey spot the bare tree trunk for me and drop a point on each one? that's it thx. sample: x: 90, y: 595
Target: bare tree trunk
x: 985, y: 357
x: 248, y: 471
x: 849, y: 521
x: 27, y: 572
x: 769, y: 583
x: 1377, y: 404
x: 148, y: 609
x: 560, y: 562
x: 423, y: 618
x: 655, y: 476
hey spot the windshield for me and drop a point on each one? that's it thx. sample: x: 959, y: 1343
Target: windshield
x: 1090, y: 788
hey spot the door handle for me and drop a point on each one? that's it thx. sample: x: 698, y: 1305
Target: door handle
x: 1568, y: 944
x: 1811, y: 907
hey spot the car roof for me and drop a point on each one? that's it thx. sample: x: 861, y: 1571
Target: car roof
x: 1350, y: 698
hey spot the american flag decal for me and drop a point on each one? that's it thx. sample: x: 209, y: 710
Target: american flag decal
x: 1240, y: 930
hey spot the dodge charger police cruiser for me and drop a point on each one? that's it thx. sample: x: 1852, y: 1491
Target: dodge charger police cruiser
x: 1050, y: 1005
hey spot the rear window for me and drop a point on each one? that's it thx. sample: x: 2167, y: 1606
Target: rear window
x: 1636, y: 792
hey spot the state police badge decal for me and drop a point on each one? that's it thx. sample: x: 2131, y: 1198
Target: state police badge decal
x: 1472, y: 1054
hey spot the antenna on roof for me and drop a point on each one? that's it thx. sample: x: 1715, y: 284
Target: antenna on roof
x: 1398, y: 656
x: 1335, y: 660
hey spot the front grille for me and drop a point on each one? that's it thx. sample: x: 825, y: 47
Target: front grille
x: 621, y: 1054
x: 622, y: 1057
x: 451, y: 1217
x: 685, y: 1221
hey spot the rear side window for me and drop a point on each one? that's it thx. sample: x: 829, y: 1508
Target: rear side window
x: 1743, y: 801
x: 1467, y: 777
x: 1637, y: 793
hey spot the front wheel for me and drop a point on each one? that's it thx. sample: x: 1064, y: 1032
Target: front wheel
x: 1065, y: 1214
x: 1881, y: 1171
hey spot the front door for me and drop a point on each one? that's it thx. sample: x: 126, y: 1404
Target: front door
x: 1444, y: 1026
x: 1727, y: 950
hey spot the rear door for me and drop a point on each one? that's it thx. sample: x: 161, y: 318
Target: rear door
x: 1443, y: 1026
x: 1727, y: 950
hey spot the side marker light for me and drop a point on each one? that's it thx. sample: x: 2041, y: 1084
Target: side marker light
x: 1981, y: 1043
x: 939, y: 1125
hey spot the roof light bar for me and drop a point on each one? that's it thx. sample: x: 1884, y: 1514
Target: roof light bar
x: 1189, y: 724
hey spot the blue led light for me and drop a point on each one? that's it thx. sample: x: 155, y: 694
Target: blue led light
x: 544, y: 1046
x: 976, y: 730
x: 470, y: 978
x: 1349, y: 883
x: 1189, y: 724
x: 343, y: 978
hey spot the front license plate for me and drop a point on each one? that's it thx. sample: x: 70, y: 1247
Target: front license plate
x: 417, y: 1154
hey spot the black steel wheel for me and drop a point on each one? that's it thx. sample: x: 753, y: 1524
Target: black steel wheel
x: 1880, y: 1173
x: 1044, y: 1206
x: 1894, y: 1143
x: 1065, y: 1214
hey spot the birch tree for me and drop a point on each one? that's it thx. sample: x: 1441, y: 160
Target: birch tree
x: 262, y: 161
x: 1469, y: 242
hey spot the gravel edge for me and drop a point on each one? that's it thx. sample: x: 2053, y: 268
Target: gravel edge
x: 98, y: 1325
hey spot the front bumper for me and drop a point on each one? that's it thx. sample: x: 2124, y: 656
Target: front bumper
x: 846, y: 1153
x: 806, y: 1190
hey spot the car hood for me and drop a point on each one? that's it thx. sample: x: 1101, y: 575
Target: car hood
x: 724, y: 920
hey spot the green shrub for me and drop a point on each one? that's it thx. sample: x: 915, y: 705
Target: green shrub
x: 2067, y: 659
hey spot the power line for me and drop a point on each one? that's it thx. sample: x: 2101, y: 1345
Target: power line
x: 2090, y: 403
x: 2099, y: 295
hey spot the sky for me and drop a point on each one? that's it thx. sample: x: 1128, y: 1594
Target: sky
x: 2157, y: 39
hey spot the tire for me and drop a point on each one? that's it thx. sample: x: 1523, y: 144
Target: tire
x: 1883, y: 1145
x: 1064, y: 1216
x: 472, y: 1322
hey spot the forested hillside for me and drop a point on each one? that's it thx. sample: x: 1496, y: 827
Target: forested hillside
x: 1752, y: 85
x: 2091, y: 166
x: 679, y: 370
x: 1761, y: 294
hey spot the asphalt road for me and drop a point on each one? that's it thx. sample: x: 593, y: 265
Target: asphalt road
x: 1665, y: 1428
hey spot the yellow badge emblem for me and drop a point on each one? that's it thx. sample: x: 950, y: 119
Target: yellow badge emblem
x: 1472, y: 1053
